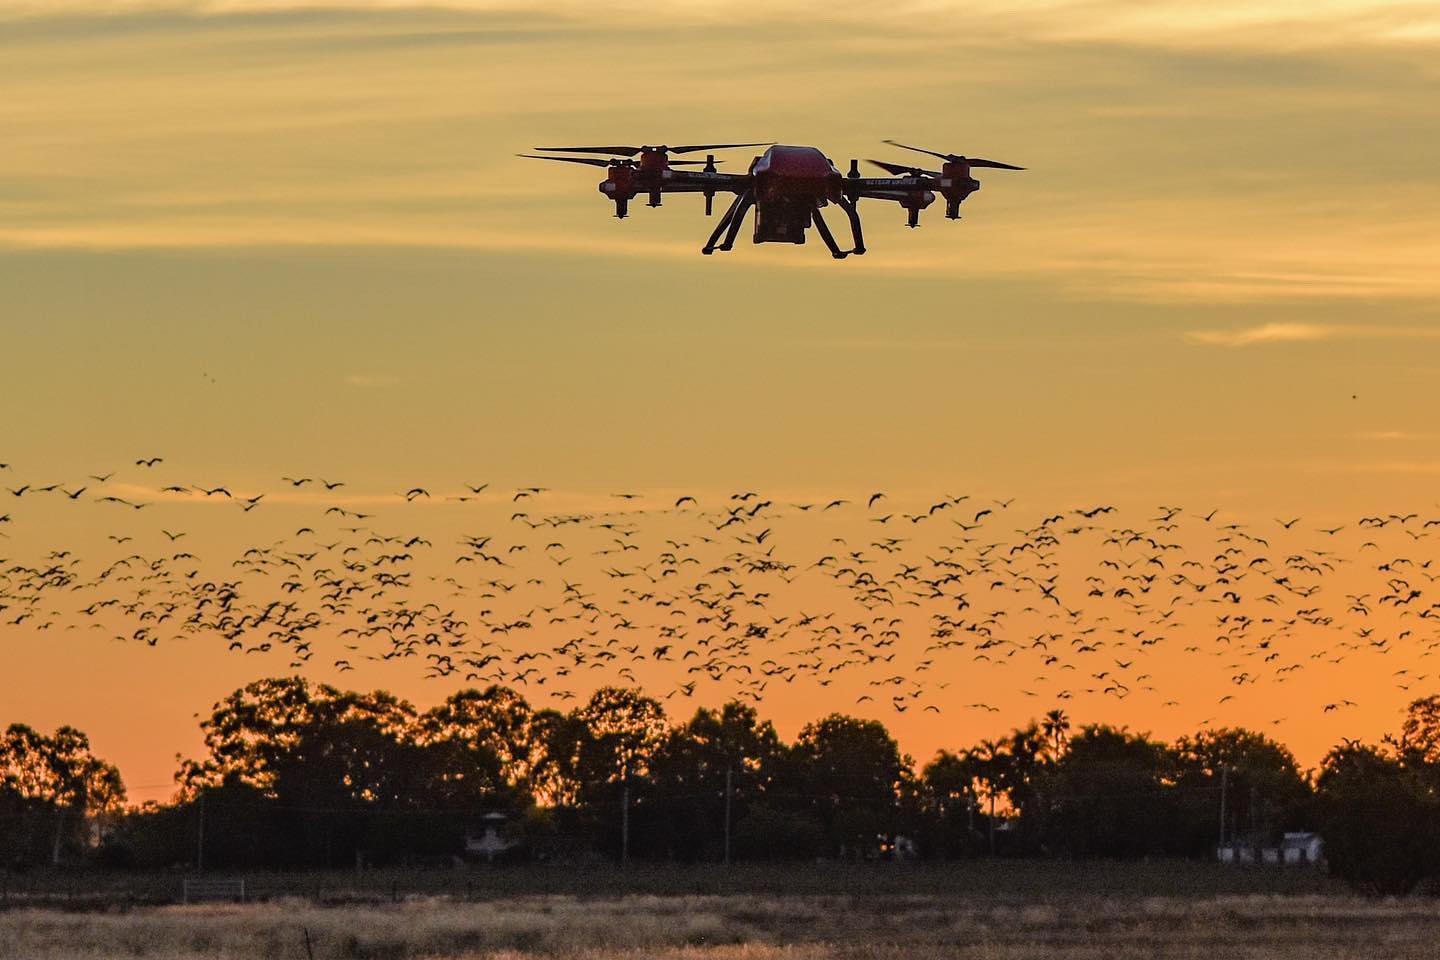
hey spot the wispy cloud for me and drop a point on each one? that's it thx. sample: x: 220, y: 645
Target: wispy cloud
x: 1306, y: 333
x: 1423, y: 467
x: 1389, y: 435
x: 1264, y: 333
x: 1272, y: 23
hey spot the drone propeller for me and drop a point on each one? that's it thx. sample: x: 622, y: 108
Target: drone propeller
x: 956, y: 158
x: 631, y: 151
x: 594, y: 162
x: 715, y: 146
x: 896, y: 170
x: 597, y: 162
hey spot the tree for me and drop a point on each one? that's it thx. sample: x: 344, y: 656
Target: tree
x: 950, y: 802
x: 1419, y: 740
x: 623, y: 729
x: 555, y: 777
x: 481, y: 746
x: 57, y: 778
x: 1379, y: 818
x: 1056, y: 727
x: 696, y: 762
x: 313, y: 745
x: 1265, y: 793
x: 851, y: 771
x: 336, y: 773
x: 1109, y: 796
x: 992, y: 763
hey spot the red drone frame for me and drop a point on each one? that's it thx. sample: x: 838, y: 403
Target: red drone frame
x: 787, y: 186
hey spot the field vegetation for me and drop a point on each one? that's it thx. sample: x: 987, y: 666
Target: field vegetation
x: 1010, y: 911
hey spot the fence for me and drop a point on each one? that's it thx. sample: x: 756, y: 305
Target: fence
x: 194, y: 890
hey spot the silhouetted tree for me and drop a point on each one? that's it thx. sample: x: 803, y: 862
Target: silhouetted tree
x: 481, y: 748
x: 951, y: 804
x: 50, y: 789
x: 1265, y: 793
x: 1419, y: 739
x: 1109, y: 798
x: 850, y: 772
x: 1379, y: 818
x: 1056, y: 727
x: 344, y: 767
x: 688, y: 777
x: 623, y: 729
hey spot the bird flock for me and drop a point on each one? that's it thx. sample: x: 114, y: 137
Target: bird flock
x: 931, y: 605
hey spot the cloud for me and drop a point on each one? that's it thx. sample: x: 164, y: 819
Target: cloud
x: 1286, y: 24
x: 1306, y: 333
x: 1421, y: 467
x: 1264, y: 333
x: 1390, y: 435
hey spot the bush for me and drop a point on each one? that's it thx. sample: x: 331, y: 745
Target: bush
x: 1380, y: 821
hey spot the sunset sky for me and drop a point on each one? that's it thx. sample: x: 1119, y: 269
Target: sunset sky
x: 268, y: 238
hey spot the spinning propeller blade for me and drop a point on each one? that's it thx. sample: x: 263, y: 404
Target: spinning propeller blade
x: 957, y: 158
x: 597, y: 162
x: 631, y: 151
x: 895, y: 169
x: 594, y: 162
x: 617, y: 151
x: 691, y: 148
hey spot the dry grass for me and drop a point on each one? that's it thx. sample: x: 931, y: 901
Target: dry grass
x: 746, y: 927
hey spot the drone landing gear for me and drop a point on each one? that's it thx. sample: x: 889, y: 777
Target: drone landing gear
x: 746, y: 201
x: 852, y: 211
x: 730, y: 220
x: 825, y: 235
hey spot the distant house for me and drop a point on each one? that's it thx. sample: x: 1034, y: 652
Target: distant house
x: 1302, y: 847
x: 486, y: 840
x: 1294, y: 849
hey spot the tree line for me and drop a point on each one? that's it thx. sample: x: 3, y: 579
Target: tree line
x: 303, y: 775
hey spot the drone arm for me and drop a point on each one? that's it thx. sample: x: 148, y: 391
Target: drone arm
x: 686, y: 181
x: 887, y: 188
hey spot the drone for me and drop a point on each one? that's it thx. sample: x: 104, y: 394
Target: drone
x: 787, y: 186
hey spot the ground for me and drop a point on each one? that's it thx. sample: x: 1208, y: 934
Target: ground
x: 997, y: 912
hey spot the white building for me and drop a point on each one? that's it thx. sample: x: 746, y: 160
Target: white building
x: 1302, y: 847
x: 1295, y: 849
x: 487, y: 841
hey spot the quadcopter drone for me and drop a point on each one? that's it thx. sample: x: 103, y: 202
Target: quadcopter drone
x: 787, y: 185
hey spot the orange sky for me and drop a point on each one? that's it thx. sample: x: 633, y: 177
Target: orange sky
x: 263, y: 240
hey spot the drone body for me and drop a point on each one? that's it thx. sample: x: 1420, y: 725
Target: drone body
x: 787, y: 185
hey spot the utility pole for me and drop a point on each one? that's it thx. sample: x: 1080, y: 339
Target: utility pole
x: 728, y: 772
x: 990, y: 822
x: 1224, y: 787
x: 200, y: 836
x: 625, y: 825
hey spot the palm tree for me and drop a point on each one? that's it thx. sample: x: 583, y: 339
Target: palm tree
x: 1056, y: 725
x: 992, y: 770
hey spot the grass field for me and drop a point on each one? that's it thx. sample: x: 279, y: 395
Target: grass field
x: 1002, y: 911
